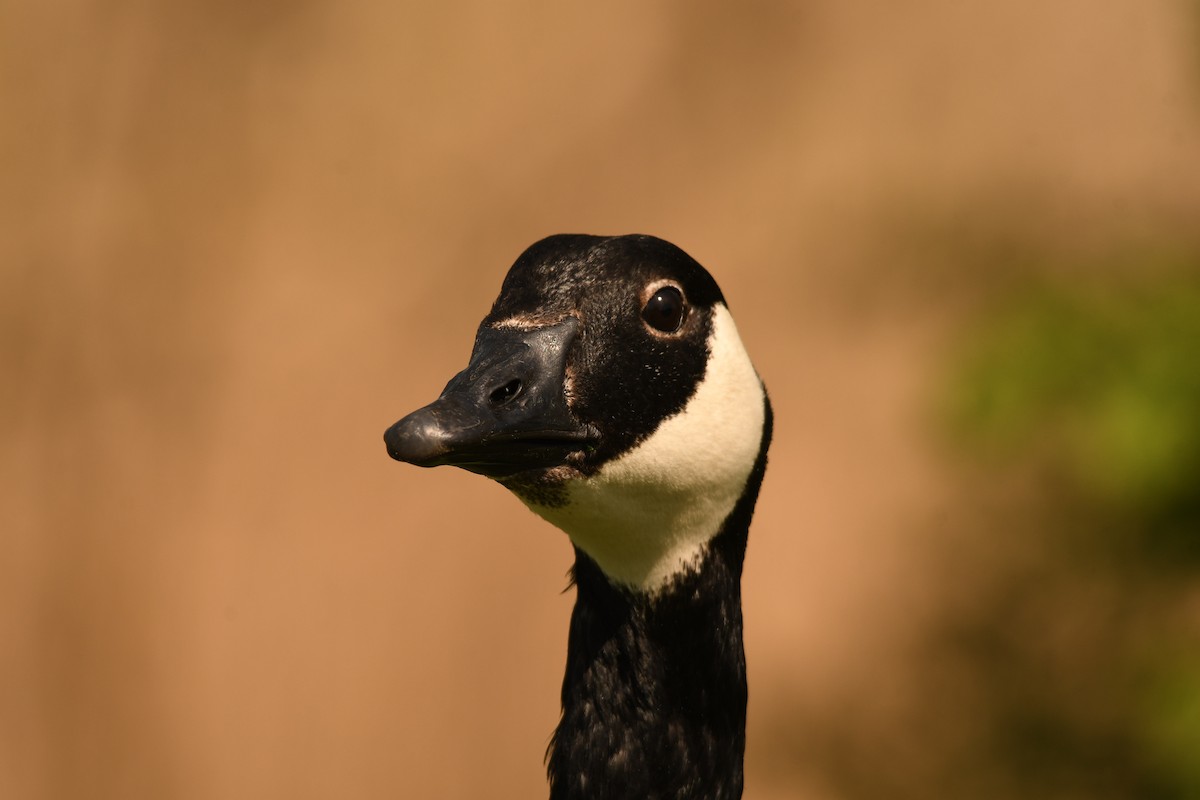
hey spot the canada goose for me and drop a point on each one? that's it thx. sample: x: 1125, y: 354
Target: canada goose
x: 609, y: 390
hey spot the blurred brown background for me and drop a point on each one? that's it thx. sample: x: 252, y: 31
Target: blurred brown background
x: 239, y: 240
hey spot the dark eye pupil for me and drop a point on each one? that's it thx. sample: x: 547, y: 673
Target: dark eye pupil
x: 664, y: 311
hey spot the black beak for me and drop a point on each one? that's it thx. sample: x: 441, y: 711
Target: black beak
x: 505, y: 413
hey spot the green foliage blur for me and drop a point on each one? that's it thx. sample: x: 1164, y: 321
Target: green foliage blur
x: 1103, y: 380
x: 1084, y: 653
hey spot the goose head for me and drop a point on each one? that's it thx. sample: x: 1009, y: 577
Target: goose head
x: 609, y: 390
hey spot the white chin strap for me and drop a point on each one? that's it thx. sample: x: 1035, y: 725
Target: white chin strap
x: 649, y: 514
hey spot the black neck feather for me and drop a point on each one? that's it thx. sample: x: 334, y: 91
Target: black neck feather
x: 654, y: 696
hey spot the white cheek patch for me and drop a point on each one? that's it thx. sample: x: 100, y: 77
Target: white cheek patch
x: 648, y: 514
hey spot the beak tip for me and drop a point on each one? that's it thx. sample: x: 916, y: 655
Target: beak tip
x: 417, y: 439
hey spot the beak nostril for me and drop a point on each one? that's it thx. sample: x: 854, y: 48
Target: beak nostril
x: 506, y: 392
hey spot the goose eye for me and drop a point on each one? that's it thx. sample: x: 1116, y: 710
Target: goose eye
x: 664, y: 311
